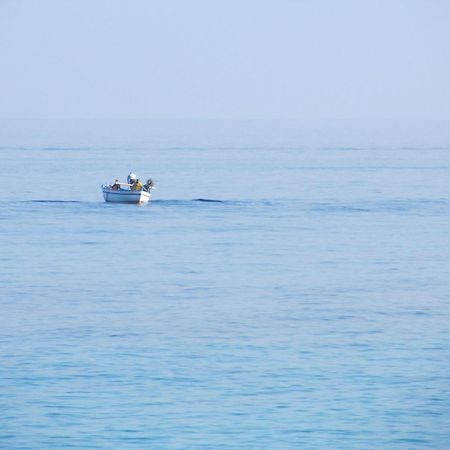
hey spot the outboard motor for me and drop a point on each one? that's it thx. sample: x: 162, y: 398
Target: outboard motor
x: 149, y: 185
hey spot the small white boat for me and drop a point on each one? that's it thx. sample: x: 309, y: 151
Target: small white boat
x: 121, y: 193
x: 124, y: 195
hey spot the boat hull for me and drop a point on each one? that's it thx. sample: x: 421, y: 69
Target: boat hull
x: 125, y: 196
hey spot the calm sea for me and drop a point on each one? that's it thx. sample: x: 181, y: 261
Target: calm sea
x: 278, y: 293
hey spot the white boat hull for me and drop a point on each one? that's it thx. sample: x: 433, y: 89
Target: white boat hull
x: 125, y: 196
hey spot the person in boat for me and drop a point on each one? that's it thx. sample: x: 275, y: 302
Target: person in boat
x: 116, y: 185
x: 137, y: 185
x: 131, y: 178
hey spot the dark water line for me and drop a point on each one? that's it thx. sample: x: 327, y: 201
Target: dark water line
x: 52, y: 201
x: 206, y: 200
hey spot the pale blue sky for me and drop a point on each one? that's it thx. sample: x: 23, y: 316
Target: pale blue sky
x: 300, y: 59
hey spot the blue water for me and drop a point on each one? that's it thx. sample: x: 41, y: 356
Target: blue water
x: 268, y: 298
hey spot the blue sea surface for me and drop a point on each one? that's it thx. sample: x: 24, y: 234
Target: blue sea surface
x: 269, y: 297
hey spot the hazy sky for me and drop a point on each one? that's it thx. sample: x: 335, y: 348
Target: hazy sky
x: 306, y: 59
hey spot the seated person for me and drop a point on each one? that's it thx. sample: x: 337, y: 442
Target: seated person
x: 137, y: 185
x: 115, y: 186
